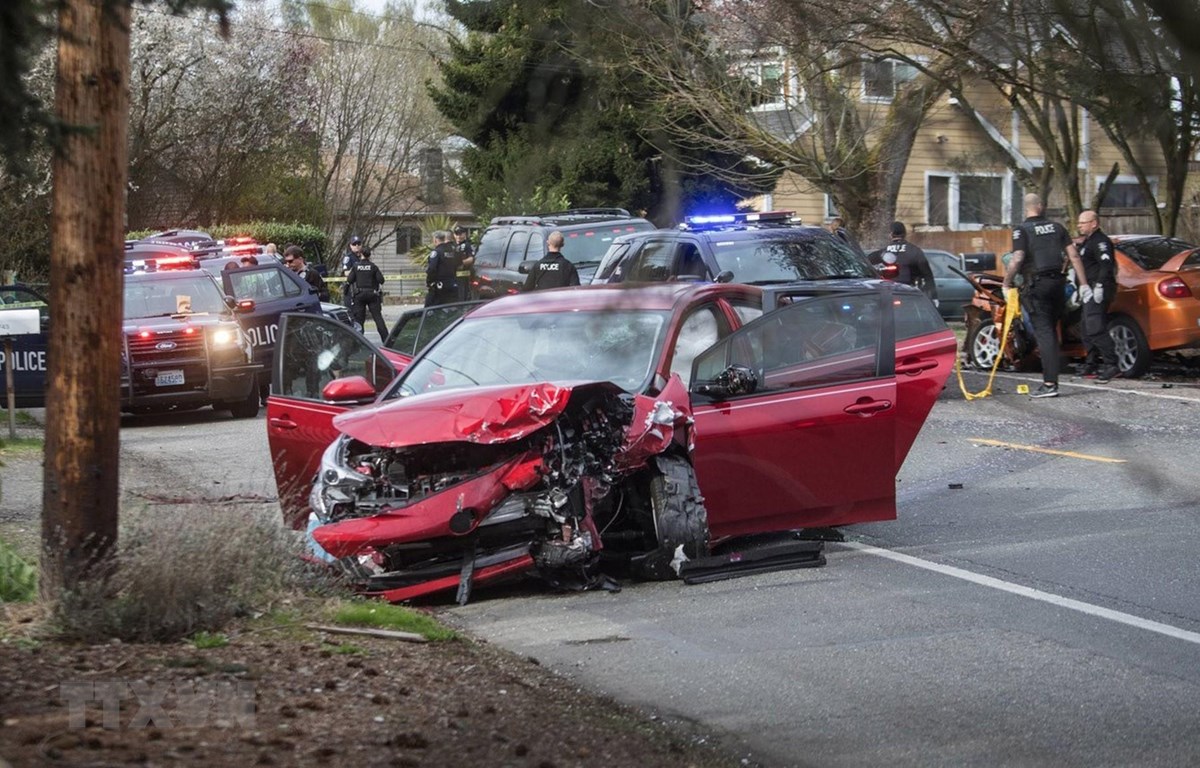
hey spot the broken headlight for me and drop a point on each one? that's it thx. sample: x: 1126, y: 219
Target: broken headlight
x: 334, y: 491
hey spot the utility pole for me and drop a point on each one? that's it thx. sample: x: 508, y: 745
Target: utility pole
x: 80, y: 499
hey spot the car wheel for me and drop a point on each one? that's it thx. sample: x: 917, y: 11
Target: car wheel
x: 245, y: 409
x: 1133, y: 351
x: 678, y: 513
x: 983, y: 345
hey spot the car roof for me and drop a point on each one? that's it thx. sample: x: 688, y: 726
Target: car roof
x: 650, y: 296
x: 574, y: 216
x: 165, y: 274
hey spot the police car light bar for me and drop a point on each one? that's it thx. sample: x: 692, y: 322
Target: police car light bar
x: 753, y: 217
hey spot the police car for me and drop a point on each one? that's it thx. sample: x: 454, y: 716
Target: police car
x: 28, y: 350
x: 752, y: 248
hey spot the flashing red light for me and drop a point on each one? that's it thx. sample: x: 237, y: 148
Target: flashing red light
x: 888, y: 271
x: 246, y: 304
x: 189, y: 329
x: 144, y: 334
x: 241, y: 241
x: 1174, y: 288
x: 174, y: 262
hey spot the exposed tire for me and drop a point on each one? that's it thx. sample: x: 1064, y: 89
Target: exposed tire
x: 1133, y: 351
x: 679, y: 516
x: 983, y: 345
x: 244, y: 409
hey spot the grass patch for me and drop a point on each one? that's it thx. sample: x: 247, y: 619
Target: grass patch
x: 345, y: 649
x: 204, y: 640
x: 26, y: 419
x: 21, y: 445
x: 18, y: 579
x: 362, y: 613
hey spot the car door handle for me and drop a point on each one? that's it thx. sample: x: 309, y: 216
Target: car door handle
x: 282, y: 423
x: 914, y: 367
x: 867, y: 407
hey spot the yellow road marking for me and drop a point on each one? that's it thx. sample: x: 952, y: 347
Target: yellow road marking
x: 1035, y: 449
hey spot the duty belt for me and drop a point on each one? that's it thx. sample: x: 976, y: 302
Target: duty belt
x: 1049, y: 273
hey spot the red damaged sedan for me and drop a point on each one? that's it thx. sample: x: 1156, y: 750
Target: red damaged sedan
x: 580, y: 433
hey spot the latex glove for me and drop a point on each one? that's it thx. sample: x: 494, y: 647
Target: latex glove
x: 1085, y: 293
x: 1098, y: 294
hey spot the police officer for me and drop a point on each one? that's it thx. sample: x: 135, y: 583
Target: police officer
x: 366, y: 281
x: 441, y: 280
x: 349, y: 261
x: 553, y: 270
x: 1038, y: 246
x: 911, y: 264
x: 293, y: 257
x: 1096, y: 253
x: 466, y: 256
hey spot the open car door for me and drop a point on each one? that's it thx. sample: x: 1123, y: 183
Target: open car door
x: 417, y: 327
x: 796, y: 415
x: 323, y: 367
x: 925, y: 353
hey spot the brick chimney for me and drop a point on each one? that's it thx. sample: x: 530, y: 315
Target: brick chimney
x: 433, y: 190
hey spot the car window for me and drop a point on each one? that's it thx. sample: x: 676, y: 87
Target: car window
x: 587, y: 245
x: 616, y: 254
x: 16, y: 297
x: 915, y: 315
x: 516, y: 249
x: 814, y: 255
x: 1153, y: 252
x: 940, y: 262
x: 811, y: 342
x: 537, y: 246
x: 490, y: 252
x: 699, y: 331
x: 1192, y: 261
x: 316, y: 351
x: 653, y: 263
x: 261, y: 284
x: 182, y: 293
x: 691, y: 263
x: 414, y: 331
x: 747, y: 312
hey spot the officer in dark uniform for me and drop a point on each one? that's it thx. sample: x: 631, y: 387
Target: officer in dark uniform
x: 911, y: 264
x: 349, y: 261
x: 553, y: 270
x: 466, y: 258
x: 1038, y: 246
x: 1096, y: 253
x: 441, y: 279
x: 366, y: 281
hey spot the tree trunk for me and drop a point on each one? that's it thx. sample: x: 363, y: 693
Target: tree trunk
x: 79, y: 502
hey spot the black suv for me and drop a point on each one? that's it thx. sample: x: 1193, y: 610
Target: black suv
x: 754, y: 248
x: 510, y: 240
x: 183, y: 346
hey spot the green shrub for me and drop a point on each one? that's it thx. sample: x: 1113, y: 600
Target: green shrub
x: 18, y: 579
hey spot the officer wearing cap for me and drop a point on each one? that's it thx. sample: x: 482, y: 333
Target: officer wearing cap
x: 349, y: 262
x: 1038, y: 246
x: 466, y: 256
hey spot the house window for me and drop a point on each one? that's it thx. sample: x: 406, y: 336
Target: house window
x: 768, y: 78
x: 1126, y: 192
x: 967, y: 201
x: 407, y: 238
x: 830, y: 208
x: 882, y: 77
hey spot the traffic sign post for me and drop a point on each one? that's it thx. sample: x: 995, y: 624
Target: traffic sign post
x: 15, y: 322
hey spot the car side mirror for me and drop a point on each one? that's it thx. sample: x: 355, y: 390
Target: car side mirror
x: 731, y: 382
x: 724, y: 276
x: 349, y: 389
x: 527, y: 265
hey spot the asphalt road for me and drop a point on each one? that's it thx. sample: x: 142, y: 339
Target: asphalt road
x: 1046, y: 612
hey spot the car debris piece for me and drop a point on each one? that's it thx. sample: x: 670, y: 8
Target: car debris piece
x: 754, y: 559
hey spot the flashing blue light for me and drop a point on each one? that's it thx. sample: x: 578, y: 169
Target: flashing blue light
x: 721, y: 218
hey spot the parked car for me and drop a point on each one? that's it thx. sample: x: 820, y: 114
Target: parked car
x: 756, y: 248
x: 29, y: 351
x: 1156, y: 309
x: 536, y: 431
x: 510, y: 240
x: 954, y: 292
x: 183, y: 346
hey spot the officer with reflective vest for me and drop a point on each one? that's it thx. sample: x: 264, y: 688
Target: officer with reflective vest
x: 1038, y: 246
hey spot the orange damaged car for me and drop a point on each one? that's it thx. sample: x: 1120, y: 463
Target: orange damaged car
x: 1157, y: 307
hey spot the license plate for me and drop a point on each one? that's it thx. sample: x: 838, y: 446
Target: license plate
x: 168, y: 379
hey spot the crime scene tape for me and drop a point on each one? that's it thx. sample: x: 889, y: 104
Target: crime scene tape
x: 413, y: 276
x: 1012, y: 311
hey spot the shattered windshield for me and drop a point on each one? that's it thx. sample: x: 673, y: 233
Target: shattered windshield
x: 182, y: 293
x: 608, y: 345
x: 762, y: 260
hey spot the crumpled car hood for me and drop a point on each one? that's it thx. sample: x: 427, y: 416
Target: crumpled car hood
x: 483, y: 415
